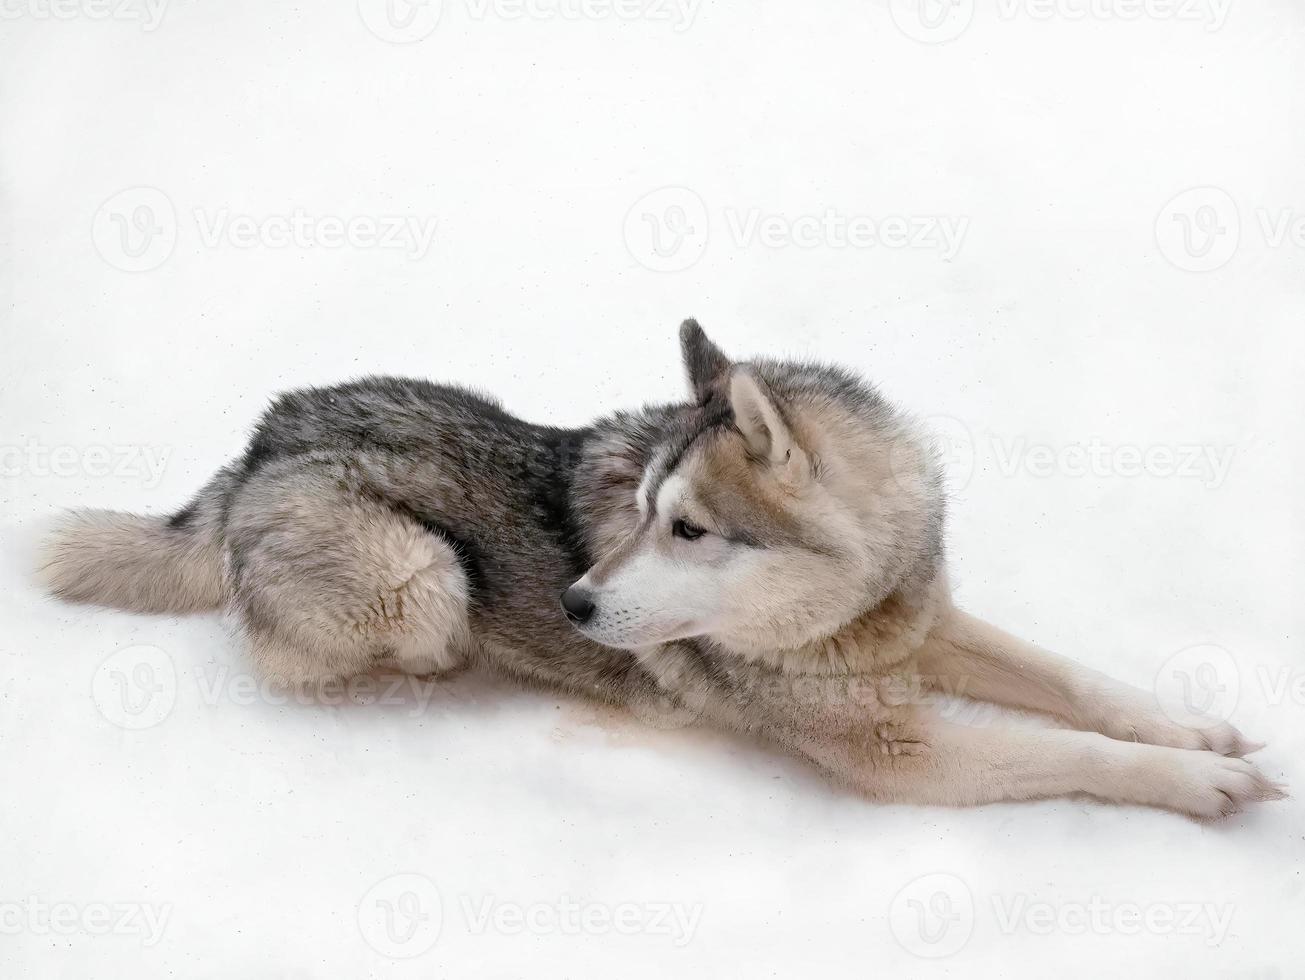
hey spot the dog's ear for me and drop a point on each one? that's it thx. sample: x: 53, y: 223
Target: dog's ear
x: 704, y: 362
x: 759, y: 418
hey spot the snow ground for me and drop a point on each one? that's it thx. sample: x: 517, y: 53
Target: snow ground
x: 1094, y: 290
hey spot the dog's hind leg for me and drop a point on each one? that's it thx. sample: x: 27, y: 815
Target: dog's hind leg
x: 329, y: 584
x: 966, y: 656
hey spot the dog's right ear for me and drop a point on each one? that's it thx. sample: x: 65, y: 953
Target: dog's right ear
x: 704, y: 362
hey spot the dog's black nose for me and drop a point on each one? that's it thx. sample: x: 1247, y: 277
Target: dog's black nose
x: 579, y: 607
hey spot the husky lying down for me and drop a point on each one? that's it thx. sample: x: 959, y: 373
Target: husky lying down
x: 766, y: 557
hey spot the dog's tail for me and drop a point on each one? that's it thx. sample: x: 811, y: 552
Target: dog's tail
x: 137, y: 562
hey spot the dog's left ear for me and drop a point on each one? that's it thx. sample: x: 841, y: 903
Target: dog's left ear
x: 758, y: 417
x: 704, y: 362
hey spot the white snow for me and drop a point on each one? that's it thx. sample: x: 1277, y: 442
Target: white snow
x: 990, y: 227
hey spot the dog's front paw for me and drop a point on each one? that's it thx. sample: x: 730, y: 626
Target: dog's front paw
x: 1159, y: 729
x: 1209, y: 786
x: 1135, y: 716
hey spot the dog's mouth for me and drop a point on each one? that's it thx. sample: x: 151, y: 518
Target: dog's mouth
x: 623, y: 636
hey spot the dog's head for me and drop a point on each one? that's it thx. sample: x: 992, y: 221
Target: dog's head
x: 785, y: 500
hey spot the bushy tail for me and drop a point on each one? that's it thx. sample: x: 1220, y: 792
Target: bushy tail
x: 135, y: 562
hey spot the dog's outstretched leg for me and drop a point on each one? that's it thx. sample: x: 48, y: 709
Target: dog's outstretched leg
x: 966, y: 656
x: 907, y: 753
x: 959, y: 765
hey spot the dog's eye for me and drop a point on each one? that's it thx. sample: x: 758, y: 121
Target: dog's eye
x: 683, y: 529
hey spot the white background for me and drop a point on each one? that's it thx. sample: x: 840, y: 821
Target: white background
x: 1074, y: 313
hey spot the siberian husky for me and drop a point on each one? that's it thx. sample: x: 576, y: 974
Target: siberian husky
x: 766, y: 556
